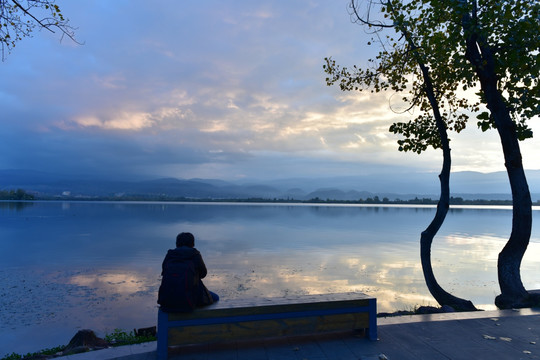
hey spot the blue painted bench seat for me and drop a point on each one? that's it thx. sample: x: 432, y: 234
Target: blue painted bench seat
x: 246, y: 319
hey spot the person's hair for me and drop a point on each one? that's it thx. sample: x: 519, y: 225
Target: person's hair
x: 185, y: 239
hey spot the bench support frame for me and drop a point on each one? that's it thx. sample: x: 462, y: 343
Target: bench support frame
x: 266, y: 319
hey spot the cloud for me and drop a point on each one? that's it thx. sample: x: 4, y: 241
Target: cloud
x: 124, y: 121
x: 231, y: 89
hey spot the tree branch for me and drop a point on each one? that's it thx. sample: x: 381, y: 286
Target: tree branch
x: 32, y: 16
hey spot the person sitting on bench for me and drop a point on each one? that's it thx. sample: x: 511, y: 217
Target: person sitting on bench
x: 182, y: 289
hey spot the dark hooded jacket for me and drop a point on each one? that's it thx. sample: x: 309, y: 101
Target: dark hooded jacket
x: 184, y: 254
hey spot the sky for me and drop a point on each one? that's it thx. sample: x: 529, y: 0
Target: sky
x: 216, y: 89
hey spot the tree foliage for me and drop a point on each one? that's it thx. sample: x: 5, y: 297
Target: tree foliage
x: 506, y: 34
x: 395, y: 68
x: 509, y: 28
x: 20, y: 18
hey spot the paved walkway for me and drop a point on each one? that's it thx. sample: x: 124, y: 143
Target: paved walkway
x: 500, y: 335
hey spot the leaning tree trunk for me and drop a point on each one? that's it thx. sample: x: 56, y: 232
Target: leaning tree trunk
x: 427, y: 236
x: 513, y: 293
x: 426, y: 239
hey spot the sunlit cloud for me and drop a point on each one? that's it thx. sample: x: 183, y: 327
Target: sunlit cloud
x: 215, y: 126
x: 125, y: 121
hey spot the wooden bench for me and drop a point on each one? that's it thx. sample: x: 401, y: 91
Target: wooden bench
x: 246, y: 319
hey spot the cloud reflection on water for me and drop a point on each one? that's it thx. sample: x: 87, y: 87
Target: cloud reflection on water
x: 115, y: 282
x: 396, y: 283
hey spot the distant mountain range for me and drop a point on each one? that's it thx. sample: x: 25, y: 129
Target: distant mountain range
x: 468, y: 185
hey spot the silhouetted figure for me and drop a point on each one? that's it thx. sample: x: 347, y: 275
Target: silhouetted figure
x: 182, y: 289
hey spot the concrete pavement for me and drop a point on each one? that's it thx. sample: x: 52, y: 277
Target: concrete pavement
x: 502, y: 334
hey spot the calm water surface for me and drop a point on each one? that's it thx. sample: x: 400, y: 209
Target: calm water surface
x: 66, y: 266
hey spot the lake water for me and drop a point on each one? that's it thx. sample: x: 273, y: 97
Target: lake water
x: 66, y: 266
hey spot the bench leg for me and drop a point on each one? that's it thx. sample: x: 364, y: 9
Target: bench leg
x: 162, y: 335
x: 372, y: 331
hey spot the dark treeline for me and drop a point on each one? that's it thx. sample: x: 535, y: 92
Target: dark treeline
x: 417, y: 201
x: 20, y: 194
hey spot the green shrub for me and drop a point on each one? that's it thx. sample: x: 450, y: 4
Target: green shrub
x: 36, y: 355
x: 120, y: 337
